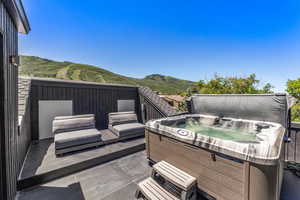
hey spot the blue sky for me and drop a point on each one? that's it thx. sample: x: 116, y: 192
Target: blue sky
x: 191, y: 39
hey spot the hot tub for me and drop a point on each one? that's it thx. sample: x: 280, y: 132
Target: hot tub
x: 232, y: 158
x: 248, y: 140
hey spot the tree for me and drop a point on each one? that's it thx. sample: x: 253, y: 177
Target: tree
x: 230, y: 85
x: 295, y: 112
x: 293, y: 88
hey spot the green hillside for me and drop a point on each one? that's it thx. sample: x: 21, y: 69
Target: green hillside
x: 40, y: 67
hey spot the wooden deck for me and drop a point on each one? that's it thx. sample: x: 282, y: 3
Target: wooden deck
x: 42, y: 165
x: 118, y: 180
x: 111, y: 181
x: 107, y: 179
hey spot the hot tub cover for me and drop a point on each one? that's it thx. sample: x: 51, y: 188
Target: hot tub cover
x: 267, y: 151
x: 261, y: 107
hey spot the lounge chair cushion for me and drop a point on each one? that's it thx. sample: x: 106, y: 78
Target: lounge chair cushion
x: 125, y: 130
x: 73, y: 123
x: 118, y: 118
x: 75, y: 138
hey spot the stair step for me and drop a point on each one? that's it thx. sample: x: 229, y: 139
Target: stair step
x: 174, y: 175
x: 153, y: 191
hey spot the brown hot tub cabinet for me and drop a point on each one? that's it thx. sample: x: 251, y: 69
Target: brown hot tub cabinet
x: 218, y: 176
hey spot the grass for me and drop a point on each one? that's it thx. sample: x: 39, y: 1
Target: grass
x: 39, y: 67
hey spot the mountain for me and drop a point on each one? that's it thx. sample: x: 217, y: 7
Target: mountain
x: 39, y: 67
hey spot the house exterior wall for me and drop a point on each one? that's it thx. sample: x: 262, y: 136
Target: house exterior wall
x: 8, y: 131
x: 24, y: 129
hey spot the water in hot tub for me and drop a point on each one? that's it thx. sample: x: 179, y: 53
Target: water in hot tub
x: 224, y: 133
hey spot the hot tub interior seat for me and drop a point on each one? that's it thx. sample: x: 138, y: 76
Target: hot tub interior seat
x: 222, y: 128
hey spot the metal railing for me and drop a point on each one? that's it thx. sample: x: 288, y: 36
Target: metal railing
x: 154, y: 107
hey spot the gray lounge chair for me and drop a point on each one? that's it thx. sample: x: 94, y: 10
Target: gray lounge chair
x: 125, y: 125
x: 72, y: 133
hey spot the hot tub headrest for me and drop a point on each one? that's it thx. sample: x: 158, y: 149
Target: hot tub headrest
x: 262, y: 107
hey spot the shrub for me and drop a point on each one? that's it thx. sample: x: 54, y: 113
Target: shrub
x: 296, y: 113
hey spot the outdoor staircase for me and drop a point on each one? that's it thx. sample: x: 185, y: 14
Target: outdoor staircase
x: 157, y: 102
x: 167, y: 183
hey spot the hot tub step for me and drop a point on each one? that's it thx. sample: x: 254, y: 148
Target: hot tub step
x: 167, y: 183
x: 174, y: 175
x: 149, y: 189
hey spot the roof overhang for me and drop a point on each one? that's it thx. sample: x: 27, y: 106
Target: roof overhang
x: 16, y: 11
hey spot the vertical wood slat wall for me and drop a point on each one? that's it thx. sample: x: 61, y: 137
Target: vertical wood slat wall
x: 9, y: 134
x: 24, y: 130
x: 2, y: 144
x: 292, y: 151
x: 98, y: 99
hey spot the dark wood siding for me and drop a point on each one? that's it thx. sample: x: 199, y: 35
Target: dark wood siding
x: 8, y: 133
x: 2, y: 130
x: 24, y: 131
x: 292, y: 150
x: 87, y: 99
